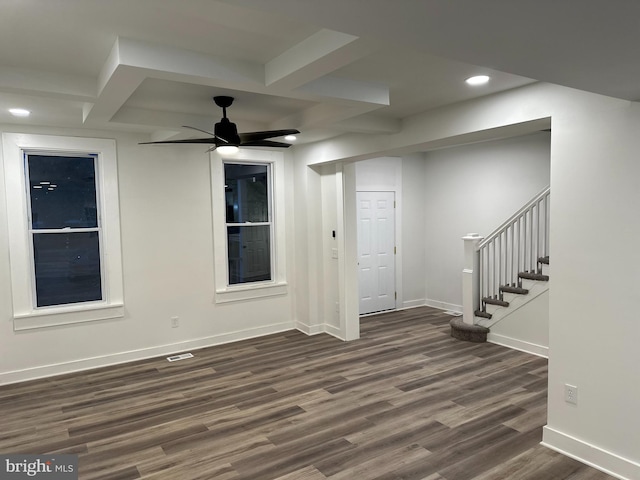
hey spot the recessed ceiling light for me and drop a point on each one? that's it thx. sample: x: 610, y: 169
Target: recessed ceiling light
x: 19, y: 112
x: 290, y: 138
x: 477, y: 80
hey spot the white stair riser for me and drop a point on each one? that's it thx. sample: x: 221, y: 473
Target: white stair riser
x: 493, y: 308
x: 529, y: 284
x: 510, y: 297
x: 535, y: 287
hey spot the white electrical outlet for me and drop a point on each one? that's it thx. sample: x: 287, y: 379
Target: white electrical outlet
x: 175, y: 322
x: 571, y: 394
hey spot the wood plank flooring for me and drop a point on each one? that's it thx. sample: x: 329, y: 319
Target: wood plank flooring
x: 406, y: 401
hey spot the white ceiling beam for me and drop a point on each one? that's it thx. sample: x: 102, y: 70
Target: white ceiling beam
x: 320, y: 54
x: 323, y: 115
x: 170, y: 120
x: 49, y: 84
x: 116, y: 83
x: 171, y: 63
x: 372, y: 124
x: 347, y: 89
x: 131, y: 61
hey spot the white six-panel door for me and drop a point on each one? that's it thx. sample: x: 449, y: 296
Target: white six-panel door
x: 376, y: 251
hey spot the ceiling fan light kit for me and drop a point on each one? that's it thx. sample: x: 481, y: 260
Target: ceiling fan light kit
x: 225, y: 137
x: 227, y: 149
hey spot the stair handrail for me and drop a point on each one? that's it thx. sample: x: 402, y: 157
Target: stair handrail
x: 520, y: 245
x: 514, y: 217
x: 515, y: 247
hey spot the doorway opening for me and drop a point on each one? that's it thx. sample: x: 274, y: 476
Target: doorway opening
x: 376, y: 251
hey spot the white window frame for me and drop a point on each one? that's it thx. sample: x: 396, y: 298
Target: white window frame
x: 25, y: 313
x: 268, y: 223
x: 246, y: 291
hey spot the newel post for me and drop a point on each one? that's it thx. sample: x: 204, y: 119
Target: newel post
x: 470, y: 277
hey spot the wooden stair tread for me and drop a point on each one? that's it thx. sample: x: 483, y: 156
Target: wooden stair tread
x: 495, y: 301
x: 480, y: 313
x: 516, y: 290
x: 534, y: 276
x: 544, y: 260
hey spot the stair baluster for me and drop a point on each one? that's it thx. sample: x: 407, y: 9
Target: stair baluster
x: 524, y: 239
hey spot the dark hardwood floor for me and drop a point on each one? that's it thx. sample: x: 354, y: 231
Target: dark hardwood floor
x: 405, y: 401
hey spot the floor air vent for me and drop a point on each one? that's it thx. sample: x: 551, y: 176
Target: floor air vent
x: 182, y: 356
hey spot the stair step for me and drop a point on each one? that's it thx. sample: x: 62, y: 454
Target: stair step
x: 516, y: 290
x: 480, y: 313
x: 534, y: 276
x: 495, y: 301
x: 469, y: 333
x: 544, y: 260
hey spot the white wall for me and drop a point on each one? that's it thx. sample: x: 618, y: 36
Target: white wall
x: 413, y: 252
x: 593, y: 299
x: 166, y: 228
x: 308, y: 282
x: 526, y: 329
x: 475, y: 188
x: 331, y: 298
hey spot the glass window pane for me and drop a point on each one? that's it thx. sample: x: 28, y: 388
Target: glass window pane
x: 249, y: 253
x: 63, y: 192
x: 67, y: 268
x: 246, y: 193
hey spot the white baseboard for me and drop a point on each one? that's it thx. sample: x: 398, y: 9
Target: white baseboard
x: 527, y: 347
x: 595, y: 457
x: 332, y: 330
x: 310, y: 329
x: 135, y: 355
x: 322, y: 328
x: 413, y: 304
x: 443, y: 305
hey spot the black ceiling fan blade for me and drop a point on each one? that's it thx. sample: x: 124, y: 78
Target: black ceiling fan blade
x: 265, y: 143
x: 226, y: 133
x: 199, y: 130
x: 206, y: 131
x: 253, y: 136
x: 189, y: 140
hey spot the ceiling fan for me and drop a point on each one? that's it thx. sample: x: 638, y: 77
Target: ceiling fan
x: 226, y: 134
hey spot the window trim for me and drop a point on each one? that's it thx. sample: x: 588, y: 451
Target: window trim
x: 25, y: 314
x: 246, y: 291
x: 32, y: 232
x: 270, y: 222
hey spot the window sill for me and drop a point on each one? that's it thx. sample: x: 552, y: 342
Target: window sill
x: 250, y: 292
x: 66, y: 315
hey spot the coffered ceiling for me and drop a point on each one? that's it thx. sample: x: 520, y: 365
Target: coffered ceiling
x: 326, y: 67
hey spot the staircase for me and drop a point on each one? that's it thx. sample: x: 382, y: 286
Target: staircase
x: 510, y: 297
x: 505, y: 270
